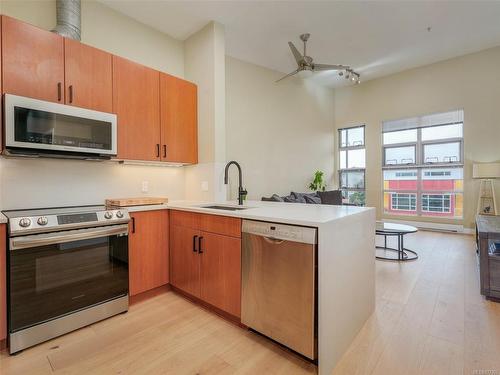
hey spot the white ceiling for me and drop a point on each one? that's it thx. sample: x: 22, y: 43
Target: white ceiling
x: 376, y: 38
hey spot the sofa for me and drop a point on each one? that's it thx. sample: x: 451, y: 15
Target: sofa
x: 332, y: 197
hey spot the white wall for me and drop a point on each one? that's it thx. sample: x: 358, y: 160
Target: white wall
x: 205, y: 66
x: 470, y: 82
x: 51, y: 182
x: 42, y: 183
x: 280, y: 133
x: 104, y: 28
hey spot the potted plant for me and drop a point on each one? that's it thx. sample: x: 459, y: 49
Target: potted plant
x: 318, y: 184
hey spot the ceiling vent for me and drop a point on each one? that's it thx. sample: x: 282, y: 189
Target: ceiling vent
x: 69, y: 17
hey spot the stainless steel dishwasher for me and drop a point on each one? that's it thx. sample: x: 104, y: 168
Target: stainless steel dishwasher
x: 278, y: 297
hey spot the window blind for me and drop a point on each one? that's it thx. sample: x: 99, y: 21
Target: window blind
x: 444, y: 118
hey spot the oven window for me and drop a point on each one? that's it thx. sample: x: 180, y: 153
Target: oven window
x: 47, y: 282
x: 35, y: 126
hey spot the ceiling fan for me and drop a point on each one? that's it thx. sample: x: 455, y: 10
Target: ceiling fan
x: 306, y: 64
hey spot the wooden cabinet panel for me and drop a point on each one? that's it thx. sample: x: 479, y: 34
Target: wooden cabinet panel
x: 88, y: 76
x: 148, y: 251
x: 32, y: 61
x: 225, y: 225
x: 185, y: 219
x: 179, y: 120
x: 136, y: 101
x: 3, y: 283
x: 221, y: 272
x: 184, y: 259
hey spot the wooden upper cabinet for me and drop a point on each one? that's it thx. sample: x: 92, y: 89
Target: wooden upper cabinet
x: 32, y: 61
x: 89, y: 79
x: 148, y: 251
x: 179, y: 120
x: 136, y: 101
x: 221, y: 272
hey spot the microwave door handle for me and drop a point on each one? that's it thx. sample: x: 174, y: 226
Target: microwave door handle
x: 24, y: 242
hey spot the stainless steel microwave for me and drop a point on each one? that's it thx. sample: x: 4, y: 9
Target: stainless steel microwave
x: 39, y: 128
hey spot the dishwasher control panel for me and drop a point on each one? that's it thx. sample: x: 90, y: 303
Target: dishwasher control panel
x: 280, y: 231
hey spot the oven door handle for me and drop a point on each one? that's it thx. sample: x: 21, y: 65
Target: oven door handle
x: 25, y: 242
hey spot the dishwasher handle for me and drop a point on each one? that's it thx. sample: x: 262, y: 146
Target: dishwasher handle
x: 272, y: 240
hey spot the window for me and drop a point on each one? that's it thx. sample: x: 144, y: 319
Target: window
x: 352, y: 164
x: 436, y: 202
x: 423, y: 165
x: 403, y: 202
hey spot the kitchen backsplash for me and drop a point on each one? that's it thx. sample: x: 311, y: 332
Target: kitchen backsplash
x: 30, y: 183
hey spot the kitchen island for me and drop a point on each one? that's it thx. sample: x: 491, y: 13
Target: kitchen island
x: 346, y: 263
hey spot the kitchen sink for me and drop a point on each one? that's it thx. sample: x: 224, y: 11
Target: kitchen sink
x: 227, y: 208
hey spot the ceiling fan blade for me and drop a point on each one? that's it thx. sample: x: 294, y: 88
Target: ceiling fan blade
x: 288, y: 75
x: 329, y: 67
x: 298, y: 56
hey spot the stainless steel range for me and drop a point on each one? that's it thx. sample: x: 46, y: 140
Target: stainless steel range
x: 67, y: 268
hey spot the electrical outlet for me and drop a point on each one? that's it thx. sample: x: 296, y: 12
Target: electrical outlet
x: 204, y: 186
x: 145, y: 186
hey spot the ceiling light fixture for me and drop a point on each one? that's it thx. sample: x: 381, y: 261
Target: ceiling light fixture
x: 306, y: 65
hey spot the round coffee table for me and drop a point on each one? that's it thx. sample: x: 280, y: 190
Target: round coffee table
x: 395, y: 230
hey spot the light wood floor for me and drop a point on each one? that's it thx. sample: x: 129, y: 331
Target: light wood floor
x: 429, y: 319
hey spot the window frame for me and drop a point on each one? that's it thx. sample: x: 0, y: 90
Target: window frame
x: 421, y: 165
x: 348, y: 148
x: 419, y: 150
x: 443, y: 195
x: 410, y: 196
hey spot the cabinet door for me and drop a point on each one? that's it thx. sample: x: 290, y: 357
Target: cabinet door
x: 184, y: 259
x: 136, y: 101
x: 32, y: 61
x: 221, y: 272
x: 3, y: 284
x: 89, y: 79
x: 179, y: 124
x: 148, y: 251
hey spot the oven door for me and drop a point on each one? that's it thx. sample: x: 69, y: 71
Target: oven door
x: 40, y: 125
x: 55, y: 274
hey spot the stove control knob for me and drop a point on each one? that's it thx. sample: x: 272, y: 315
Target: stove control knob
x: 25, y: 222
x: 108, y: 215
x: 42, y: 220
x: 119, y: 214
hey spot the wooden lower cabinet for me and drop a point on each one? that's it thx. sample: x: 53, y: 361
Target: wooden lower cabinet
x: 3, y: 284
x: 184, y: 259
x: 221, y: 272
x: 148, y: 250
x: 204, y: 264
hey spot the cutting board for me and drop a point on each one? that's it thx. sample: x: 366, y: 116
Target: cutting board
x: 143, y: 201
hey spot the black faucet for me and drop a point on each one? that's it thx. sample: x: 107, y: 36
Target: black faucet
x: 241, y: 192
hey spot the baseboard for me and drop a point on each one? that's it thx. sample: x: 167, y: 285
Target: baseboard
x: 441, y: 227
x: 136, y: 298
x: 3, y: 344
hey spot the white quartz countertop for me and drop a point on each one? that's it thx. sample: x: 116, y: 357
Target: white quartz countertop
x: 280, y: 212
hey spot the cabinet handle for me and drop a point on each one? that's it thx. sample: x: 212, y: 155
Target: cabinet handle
x: 59, y: 91
x: 194, y: 244
x: 133, y: 224
x: 70, y: 93
x: 164, y: 151
x: 157, y: 150
x: 200, y: 250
